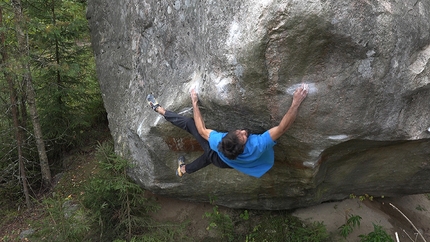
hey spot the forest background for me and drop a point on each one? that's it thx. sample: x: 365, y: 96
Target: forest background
x: 49, y: 93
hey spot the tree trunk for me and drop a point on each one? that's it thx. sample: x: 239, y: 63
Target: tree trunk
x: 31, y: 95
x: 14, y: 112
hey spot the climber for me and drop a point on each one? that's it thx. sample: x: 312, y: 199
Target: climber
x: 248, y: 153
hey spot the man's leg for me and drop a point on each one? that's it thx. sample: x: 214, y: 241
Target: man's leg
x: 204, y: 160
x: 187, y: 124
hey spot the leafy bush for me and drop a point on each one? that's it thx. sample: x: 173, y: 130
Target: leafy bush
x: 288, y: 228
x: 113, y: 208
x: 347, y: 228
x: 270, y: 227
x: 377, y: 235
x: 118, y: 204
x: 63, y: 220
x: 221, y: 222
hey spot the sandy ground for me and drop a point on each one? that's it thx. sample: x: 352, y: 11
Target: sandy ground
x: 333, y: 214
x: 174, y: 210
x: 379, y: 211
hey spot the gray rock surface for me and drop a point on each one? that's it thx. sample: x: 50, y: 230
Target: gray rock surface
x: 26, y: 233
x: 363, y: 129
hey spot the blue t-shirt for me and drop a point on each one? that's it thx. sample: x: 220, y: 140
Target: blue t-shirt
x: 257, y: 158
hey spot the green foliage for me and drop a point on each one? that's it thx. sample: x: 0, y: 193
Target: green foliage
x: 287, y: 228
x: 420, y: 208
x: 161, y: 232
x: 221, y: 222
x: 347, y: 228
x: 118, y: 204
x: 245, y: 215
x: 269, y: 228
x: 7, y: 215
x: 68, y: 95
x: 64, y: 220
x: 112, y: 208
x: 10, y: 188
x: 362, y: 197
x: 67, y: 92
x: 377, y: 235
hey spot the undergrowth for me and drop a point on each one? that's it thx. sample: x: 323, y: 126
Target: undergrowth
x: 111, y: 208
x: 103, y: 204
x: 253, y: 226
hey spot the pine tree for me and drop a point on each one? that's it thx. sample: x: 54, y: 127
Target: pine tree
x: 23, y: 46
x: 14, y: 110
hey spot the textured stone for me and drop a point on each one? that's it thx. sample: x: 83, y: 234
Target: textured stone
x: 363, y: 129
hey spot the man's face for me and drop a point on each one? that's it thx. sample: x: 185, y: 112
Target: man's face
x: 242, y: 135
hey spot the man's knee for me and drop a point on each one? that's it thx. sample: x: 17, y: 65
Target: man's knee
x: 189, y: 122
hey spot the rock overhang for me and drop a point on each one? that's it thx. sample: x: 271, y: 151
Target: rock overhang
x: 366, y: 63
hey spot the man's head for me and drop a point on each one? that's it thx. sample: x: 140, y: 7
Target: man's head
x: 233, y: 144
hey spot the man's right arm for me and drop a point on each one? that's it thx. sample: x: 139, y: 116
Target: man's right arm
x: 288, y: 119
x: 198, y: 119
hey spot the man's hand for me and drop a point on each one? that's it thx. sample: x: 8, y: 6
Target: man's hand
x: 194, y: 97
x: 300, y: 94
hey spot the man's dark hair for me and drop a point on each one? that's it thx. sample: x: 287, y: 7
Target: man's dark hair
x: 230, y: 145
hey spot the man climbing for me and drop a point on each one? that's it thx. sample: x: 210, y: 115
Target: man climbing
x: 251, y: 154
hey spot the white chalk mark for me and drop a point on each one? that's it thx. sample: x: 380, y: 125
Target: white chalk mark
x: 338, y: 137
x: 387, y: 6
x: 310, y: 164
x: 311, y: 87
x: 195, y: 82
x: 305, y: 87
x: 370, y: 53
x: 157, y: 120
x: 186, y: 110
x: 421, y: 62
x: 365, y: 68
x: 224, y: 82
x: 234, y: 34
x: 315, y: 153
x: 139, y: 129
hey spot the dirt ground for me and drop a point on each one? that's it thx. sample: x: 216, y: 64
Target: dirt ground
x: 379, y: 211
x: 174, y: 210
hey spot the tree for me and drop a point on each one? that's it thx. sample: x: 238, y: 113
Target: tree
x: 46, y: 51
x: 64, y: 71
x: 14, y: 111
x: 23, y: 47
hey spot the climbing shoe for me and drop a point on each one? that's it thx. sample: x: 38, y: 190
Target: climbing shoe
x: 152, y: 102
x: 181, y: 162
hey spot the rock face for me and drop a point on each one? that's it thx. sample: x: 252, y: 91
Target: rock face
x: 363, y: 129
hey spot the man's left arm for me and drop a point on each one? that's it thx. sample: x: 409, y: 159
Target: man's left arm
x: 198, y: 119
x: 289, y: 118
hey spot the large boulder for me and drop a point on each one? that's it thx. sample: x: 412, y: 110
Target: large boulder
x: 363, y: 129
